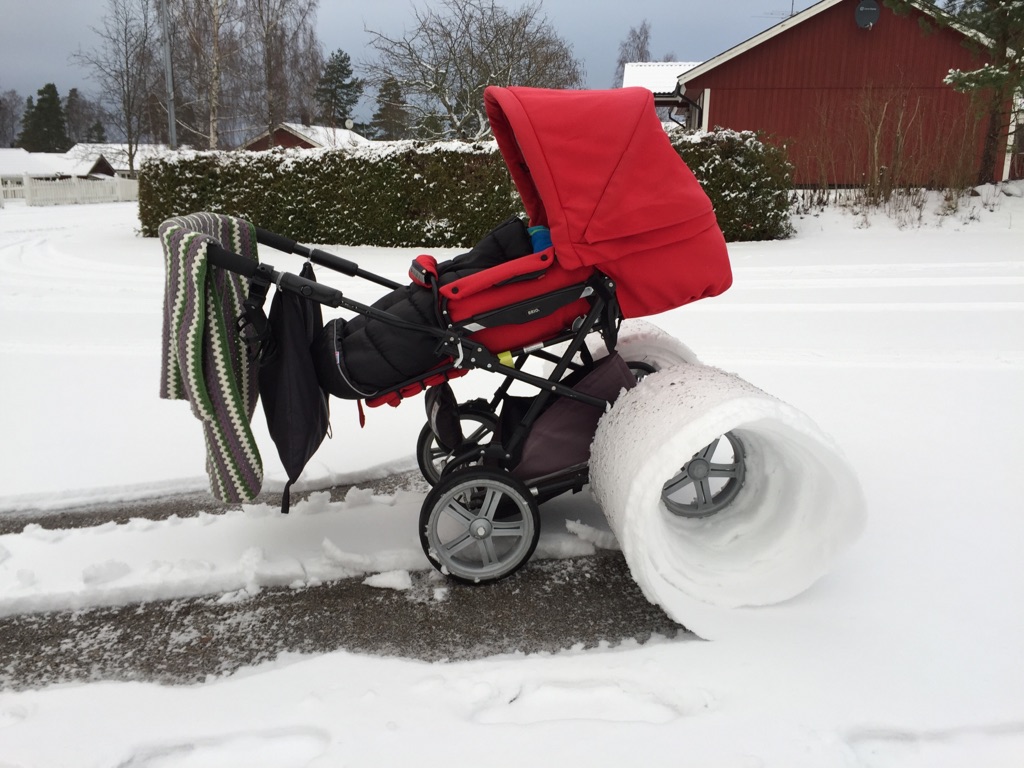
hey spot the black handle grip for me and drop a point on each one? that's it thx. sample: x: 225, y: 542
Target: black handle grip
x: 336, y: 263
x: 274, y: 240
x: 233, y: 262
x: 309, y: 289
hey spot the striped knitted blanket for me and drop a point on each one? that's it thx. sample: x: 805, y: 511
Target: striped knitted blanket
x: 204, y: 357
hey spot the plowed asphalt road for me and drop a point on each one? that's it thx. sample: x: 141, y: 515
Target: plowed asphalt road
x: 547, y: 606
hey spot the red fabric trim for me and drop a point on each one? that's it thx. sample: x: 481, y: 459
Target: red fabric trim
x: 488, y: 278
x: 483, y: 296
x: 482, y: 291
x: 394, y: 398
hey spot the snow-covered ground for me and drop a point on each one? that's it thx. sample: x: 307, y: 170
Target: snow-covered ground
x: 905, y: 345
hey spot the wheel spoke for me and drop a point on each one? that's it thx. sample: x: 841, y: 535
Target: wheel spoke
x: 455, y: 510
x: 517, y: 529
x: 709, y: 450
x: 478, y: 434
x: 704, y: 495
x: 677, y: 483
x: 723, y: 470
x: 458, y: 544
x: 490, y: 505
x: 487, y: 553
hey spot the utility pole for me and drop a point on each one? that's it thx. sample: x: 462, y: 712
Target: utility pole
x: 172, y: 136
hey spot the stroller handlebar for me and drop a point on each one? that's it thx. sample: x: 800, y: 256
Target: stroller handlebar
x: 323, y: 258
x: 274, y: 240
x: 233, y: 262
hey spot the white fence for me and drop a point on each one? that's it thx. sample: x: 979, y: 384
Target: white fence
x: 72, y: 191
x: 11, y: 190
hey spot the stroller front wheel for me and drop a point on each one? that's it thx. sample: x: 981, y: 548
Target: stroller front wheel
x: 478, y: 426
x: 479, y: 525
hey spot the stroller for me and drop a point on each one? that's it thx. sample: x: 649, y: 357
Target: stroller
x: 618, y: 228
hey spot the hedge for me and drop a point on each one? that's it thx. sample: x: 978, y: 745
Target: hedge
x: 749, y: 181
x: 395, y: 194
x: 431, y: 195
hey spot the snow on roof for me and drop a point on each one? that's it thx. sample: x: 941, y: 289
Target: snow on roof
x: 655, y: 76
x: 68, y: 166
x: 326, y: 136
x: 16, y: 162
x: 115, y: 154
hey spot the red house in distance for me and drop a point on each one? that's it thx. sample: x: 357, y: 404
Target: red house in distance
x: 854, y: 92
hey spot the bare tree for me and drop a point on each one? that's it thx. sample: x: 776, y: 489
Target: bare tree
x: 124, y: 66
x: 12, y: 106
x: 283, y: 54
x: 636, y: 47
x: 453, y: 53
x: 206, y: 39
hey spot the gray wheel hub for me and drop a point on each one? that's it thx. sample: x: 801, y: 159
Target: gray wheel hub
x: 481, y: 528
x: 698, y: 469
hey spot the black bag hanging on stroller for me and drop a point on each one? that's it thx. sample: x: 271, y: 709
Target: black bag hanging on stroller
x: 297, y: 411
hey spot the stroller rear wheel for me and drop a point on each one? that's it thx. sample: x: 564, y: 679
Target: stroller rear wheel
x: 709, y: 481
x: 478, y: 426
x: 479, y: 525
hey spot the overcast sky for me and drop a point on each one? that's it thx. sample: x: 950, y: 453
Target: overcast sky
x: 38, y: 36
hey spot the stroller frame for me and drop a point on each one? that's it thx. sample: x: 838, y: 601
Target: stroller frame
x: 632, y: 234
x: 454, y: 342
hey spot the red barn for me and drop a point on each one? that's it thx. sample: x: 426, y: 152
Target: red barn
x: 297, y: 136
x: 855, y: 92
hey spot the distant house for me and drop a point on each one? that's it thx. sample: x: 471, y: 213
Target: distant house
x: 109, y: 159
x: 295, y: 135
x: 661, y: 78
x: 852, y: 90
x: 16, y: 164
x: 81, y: 175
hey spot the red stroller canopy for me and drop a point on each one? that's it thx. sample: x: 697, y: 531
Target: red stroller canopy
x: 598, y: 169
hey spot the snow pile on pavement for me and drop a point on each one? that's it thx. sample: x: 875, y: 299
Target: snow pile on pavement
x: 235, y: 553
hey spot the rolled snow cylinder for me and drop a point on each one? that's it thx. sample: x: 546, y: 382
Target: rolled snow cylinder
x: 641, y: 341
x: 799, y: 505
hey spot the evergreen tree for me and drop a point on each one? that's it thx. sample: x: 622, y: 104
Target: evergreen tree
x: 994, y: 85
x: 82, y: 116
x: 391, y: 120
x: 96, y: 134
x: 337, y: 91
x: 43, y: 126
x: 74, y: 116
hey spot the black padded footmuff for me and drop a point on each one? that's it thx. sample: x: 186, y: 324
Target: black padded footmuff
x: 363, y: 357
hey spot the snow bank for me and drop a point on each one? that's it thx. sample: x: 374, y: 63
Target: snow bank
x: 799, y: 507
